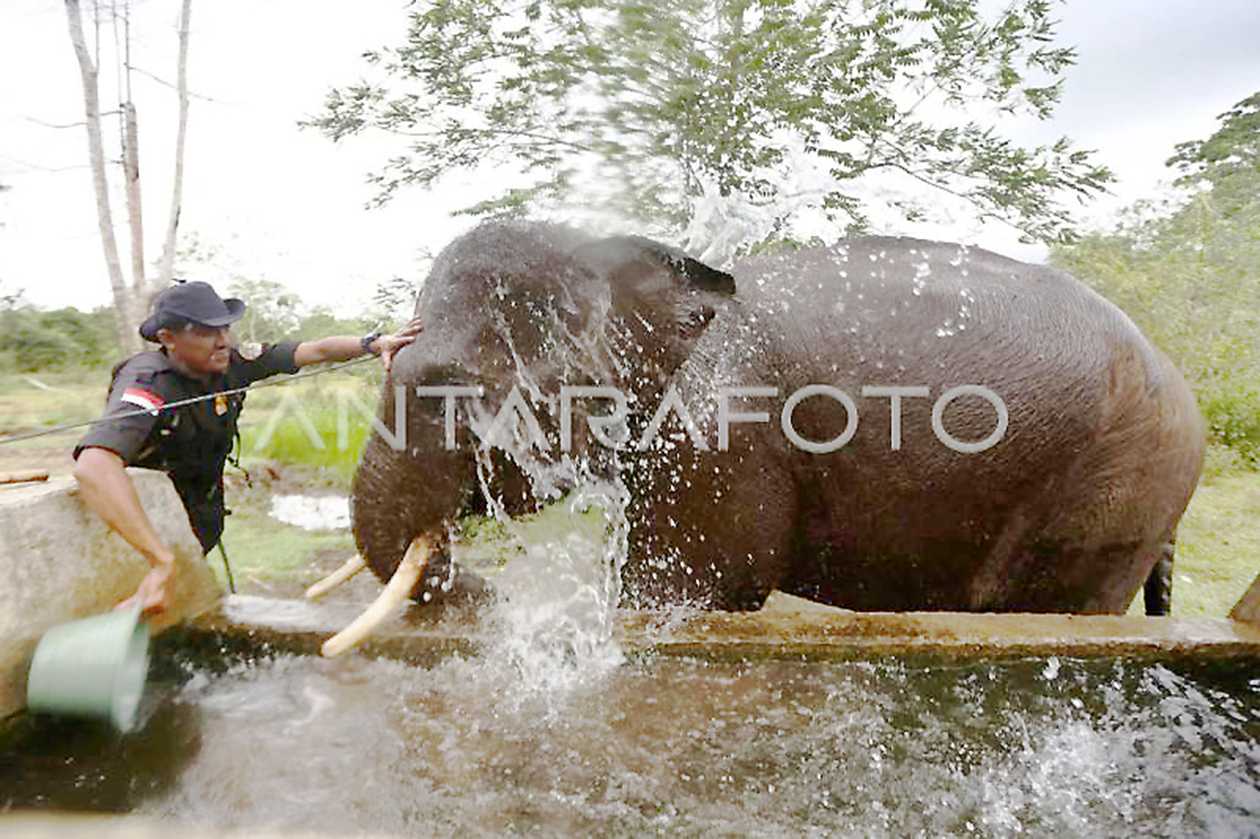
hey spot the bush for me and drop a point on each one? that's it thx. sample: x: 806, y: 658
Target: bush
x: 35, y: 348
x: 1232, y: 412
x: 1188, y: 273
x: 62, y: 339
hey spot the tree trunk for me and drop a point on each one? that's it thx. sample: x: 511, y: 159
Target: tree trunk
x: 128, y: 320
x: 135, y: 218
x: 166, y: 268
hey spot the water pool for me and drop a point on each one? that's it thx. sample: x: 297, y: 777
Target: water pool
x: 660, y: 744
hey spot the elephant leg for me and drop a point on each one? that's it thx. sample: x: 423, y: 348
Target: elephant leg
x: 1157, y: 593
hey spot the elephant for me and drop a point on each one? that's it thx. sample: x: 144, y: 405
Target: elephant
x: 885, y: 424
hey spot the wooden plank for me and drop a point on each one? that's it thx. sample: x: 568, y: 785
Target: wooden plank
x: 23, y: 477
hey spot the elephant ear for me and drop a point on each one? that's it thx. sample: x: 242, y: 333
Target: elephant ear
x: 687, y: 270
x: 659, y: 282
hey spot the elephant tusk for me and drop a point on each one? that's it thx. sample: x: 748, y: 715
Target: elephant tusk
x: 396, y: 591
x: 352, y: 566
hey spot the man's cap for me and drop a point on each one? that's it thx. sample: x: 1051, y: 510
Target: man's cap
x: 191, y: 301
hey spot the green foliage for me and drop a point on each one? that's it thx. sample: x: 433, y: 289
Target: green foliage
x: 666, y: 103
x: 1228, y: 157
x: 61, y: 339
x: 1232, y: 411
x: 773, y: 245
x: 321, y: 321
x: 1188, y: 273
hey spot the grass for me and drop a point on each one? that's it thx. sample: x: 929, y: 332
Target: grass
x: 1218, y: 546
x: 266, y: 553
x: 315, y: 425
x: 32, y: 402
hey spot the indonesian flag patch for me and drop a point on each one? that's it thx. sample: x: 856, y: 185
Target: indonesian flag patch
x: 146, y: 399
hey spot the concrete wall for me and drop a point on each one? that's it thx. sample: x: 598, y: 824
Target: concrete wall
x: 59, y: 562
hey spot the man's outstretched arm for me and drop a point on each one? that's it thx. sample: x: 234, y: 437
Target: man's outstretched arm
x: 108, y: 491
x: 346, y: 347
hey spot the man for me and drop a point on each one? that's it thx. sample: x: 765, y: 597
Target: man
x: 190, y: 443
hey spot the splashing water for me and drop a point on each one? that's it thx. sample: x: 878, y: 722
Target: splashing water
x: 551, y: 625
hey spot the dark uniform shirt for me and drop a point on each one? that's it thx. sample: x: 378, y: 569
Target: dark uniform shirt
x: 190, y: 443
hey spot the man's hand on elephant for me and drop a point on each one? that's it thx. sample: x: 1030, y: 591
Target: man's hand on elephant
x: 152, y: 593
x: 389, y: 345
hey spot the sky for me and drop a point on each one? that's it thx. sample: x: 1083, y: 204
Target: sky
x: 289, y: 205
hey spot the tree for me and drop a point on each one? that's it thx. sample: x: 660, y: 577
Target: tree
x: 10, y: 298
x: 1229, y: 159
x: 124, y: 300
x: 166, y: 266
x: 393, y: 300
x: 694, y: 112
x: 1187, y: 271
x: 130, y: 300
x: 272, y: 312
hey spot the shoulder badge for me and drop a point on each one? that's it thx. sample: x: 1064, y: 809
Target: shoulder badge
x: 143, y: 398
x: 250, y: 350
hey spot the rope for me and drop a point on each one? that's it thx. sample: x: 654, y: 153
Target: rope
x: 227, y: 568
x: 57, y: 429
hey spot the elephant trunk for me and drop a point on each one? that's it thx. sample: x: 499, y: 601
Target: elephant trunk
x: 401, y: 508
x: 399, y: 494
x: 380, y: 507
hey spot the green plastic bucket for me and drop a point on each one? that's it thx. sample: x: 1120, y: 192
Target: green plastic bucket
x: 95, y: 667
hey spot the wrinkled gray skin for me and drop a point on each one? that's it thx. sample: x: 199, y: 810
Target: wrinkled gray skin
x: 1068, y: 512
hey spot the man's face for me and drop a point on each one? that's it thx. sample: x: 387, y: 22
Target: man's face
x: 202, y: 350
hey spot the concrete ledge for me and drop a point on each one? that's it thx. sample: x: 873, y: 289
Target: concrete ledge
x: 59, y: 562
x: 76, y: 826
x: 786, y: 629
